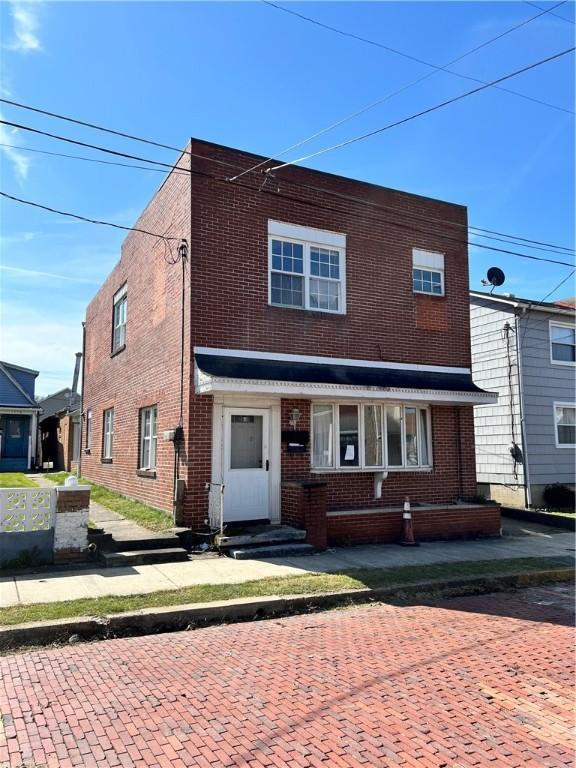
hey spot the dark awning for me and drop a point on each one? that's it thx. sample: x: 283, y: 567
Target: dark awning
x: 226, y: 367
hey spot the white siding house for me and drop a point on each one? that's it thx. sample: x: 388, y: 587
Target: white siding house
x: 525, y: 351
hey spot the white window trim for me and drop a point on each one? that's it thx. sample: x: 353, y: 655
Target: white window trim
x: 430, y: 261
x: 108, y: 436
x: 119, y: 297
x: 561, y: 405
x: 557, y: 323
x: 308, y: 238
x: 362, y: 467
x: 153, y: 439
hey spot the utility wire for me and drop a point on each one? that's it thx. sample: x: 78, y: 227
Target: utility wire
x: 423, y: 112
x: 87, y: 159
x: 214, y: 160
x: 405, y: 87
x: 538, y: 303
x: 558, y: 16
x: 84, y: 218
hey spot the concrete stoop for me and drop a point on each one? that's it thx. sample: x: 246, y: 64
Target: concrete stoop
x: 264, y: 541
x: 136, y: 546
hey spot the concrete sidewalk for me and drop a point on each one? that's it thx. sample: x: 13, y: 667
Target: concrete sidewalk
x: 520, y: 540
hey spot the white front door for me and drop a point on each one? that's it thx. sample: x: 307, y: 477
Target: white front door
x: 246, y: 464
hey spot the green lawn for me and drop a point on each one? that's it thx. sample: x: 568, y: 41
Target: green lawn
x: 148, y: 517
x: 307, y: 584
x: 16, y: 480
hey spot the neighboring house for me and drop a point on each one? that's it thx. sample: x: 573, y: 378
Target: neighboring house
x: 326, y: 353
x: 526, y: 351
x: 18, y: 418
x: 60, y: 427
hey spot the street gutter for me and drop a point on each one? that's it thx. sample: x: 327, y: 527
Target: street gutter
x: 192, y: 616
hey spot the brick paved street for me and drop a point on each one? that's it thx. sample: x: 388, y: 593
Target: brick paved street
x: 469, y: 682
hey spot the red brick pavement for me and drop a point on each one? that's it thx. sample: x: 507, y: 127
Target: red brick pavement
x: 483, y: 681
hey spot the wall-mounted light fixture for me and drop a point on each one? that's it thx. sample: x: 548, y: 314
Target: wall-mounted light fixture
x: 294, y: 417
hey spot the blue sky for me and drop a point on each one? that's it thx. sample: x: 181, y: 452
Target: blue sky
x: 250, y: 76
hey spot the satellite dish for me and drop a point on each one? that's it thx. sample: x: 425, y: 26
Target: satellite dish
x: 495, y: 276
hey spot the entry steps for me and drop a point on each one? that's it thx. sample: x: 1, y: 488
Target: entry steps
x: 117, y: 547
x: 263, y: 542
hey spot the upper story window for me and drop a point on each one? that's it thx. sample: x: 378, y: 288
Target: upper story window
x: 370, y: 436
x: 307, y: 268
x: 562, y: 343
x: 119, y: 319
x: 108, y: 433
x: 565, y: 424
x: 148, y: 439
x: 428, y: 272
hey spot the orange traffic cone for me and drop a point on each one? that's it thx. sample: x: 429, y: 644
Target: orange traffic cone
x: 407, y: 536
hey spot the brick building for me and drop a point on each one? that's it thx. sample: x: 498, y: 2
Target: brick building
x: 311, y: 353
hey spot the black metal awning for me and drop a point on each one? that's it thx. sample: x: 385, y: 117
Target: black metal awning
x: 365, y: 375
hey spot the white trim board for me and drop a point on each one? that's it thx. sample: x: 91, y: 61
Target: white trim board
x: 316, y: 359
x: 210, y: 384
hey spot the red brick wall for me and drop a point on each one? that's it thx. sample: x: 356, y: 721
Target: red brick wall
x: 147, y: 371
x: 450, y: 523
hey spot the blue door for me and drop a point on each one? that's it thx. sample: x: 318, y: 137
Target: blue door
x: 15, y: 431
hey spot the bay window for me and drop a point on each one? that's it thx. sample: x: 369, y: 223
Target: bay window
x: 358, y: 436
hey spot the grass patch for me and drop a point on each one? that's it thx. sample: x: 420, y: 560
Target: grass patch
x: 16, y: 480
x: 307, y: 584
x: 147, y: 517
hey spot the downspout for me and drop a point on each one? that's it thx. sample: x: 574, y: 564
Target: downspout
x: 82, y: 416
x: 526, y: 472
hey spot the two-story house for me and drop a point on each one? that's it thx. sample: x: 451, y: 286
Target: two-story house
x: 18, y: 418
x: 309, y: 351
x: 525, y: 351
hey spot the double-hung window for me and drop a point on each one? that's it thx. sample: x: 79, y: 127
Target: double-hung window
x: 108, y: 433
x: 565, y: 424
x: 119, y: 319
x: 370, y: 436
x: 428, y: 272
x: 562, y: 343
x: 306, y: 268
x: 88, y: 429
x: 148, y: 440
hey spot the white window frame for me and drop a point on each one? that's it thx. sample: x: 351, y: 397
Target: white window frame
x: 120, y: 299
x: 429, y: 261
x: 107, y: 433
x: 308, y: 238
x: 558, y: 443
x: 152, y: 439
x: 559, y: 324
x: 362, y: 466
x: 88, y: 445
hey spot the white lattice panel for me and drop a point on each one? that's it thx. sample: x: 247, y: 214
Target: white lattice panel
x: 26, y: 509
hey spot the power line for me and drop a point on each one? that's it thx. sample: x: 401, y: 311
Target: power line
x: 405, y: 87
x: 424, y: 112
x: 84, y: 218
x: 213, y: 160
x: 87, y: 159
x: 560, y: 284
x: 558, y: 16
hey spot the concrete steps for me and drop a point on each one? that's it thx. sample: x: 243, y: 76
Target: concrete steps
x: 262, y: 535
x: 143, y: 557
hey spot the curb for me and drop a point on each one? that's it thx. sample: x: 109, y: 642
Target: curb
x: 543, y: 518
x: 179, y: 617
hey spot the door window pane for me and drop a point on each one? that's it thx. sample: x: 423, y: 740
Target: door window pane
x: 348, y: 435
x: 394, y: 435
x: 246, y: 442
x: 373, y: 435
x: 322, y: 432
x: 411, y: 437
